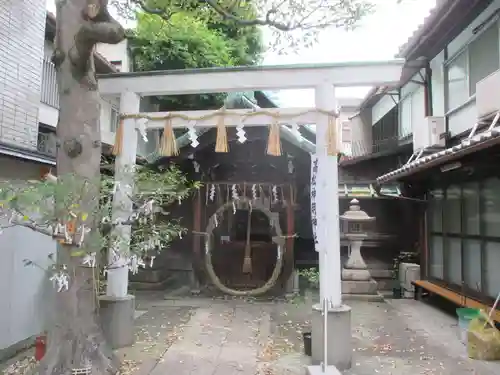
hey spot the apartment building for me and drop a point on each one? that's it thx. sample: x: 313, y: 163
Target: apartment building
x: 436, y: 134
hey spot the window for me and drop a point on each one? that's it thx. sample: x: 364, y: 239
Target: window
x: 453, y: 260
x: 436, y: 211
x: 458, y: 87
x: 452, y: 210
x: 472, y: 264
x: 491, y: 210
x: 464, y: 236
x: 436, y: 259
x: 470, y: 196
x: 115, y: 118
x: 492, y: 276
x: 483, y: 57
x: 478, y: 60
x: 117, y: 64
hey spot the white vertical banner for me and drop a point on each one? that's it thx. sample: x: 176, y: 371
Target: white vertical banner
x: 314, y: 214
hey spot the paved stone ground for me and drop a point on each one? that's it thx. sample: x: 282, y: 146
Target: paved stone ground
x: 203, y: 336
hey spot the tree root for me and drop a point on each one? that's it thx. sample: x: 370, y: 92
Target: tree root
x: 78, y: 350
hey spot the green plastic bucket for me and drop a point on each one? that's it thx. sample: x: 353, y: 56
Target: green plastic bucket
x: 465, y: 315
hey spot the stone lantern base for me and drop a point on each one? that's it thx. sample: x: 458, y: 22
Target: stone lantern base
x: 357, y: 282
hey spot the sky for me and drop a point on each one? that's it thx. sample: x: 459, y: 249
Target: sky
x: 378, y: 37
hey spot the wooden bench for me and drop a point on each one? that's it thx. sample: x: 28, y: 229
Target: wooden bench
x: 457, y: 299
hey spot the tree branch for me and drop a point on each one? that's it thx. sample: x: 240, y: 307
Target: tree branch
x: 267, y: 21
x: 163, y: 13
x: 47, y: 231
x: 98, y: 26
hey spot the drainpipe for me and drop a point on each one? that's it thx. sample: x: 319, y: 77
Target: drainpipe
x: 428, y: 90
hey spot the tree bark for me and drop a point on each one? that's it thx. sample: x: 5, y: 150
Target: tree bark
x: 75, y: 342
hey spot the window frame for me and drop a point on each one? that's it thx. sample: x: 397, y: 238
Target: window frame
x: 494, y: 22
x: 463, y: 236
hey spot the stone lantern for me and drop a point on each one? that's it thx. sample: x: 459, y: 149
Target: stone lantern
x: 356, y: 278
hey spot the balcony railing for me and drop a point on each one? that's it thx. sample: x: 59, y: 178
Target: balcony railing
x: 47, y: 143
x: 50, y: 93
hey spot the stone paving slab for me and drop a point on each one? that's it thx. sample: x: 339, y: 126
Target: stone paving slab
x: 225, y: 337
x: 219, y: 339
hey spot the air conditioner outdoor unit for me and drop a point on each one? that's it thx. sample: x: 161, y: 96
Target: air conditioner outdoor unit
x: 488, y: 95
x: 429, y: 135
x: 408, y: 272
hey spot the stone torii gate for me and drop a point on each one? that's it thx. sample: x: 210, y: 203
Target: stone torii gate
x: 130, y: 87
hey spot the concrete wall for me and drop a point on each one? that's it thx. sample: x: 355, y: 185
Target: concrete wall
x: 382, y: 107
x: 361, y: 134
x: 22, y: 25
x: 26, y: 292
x: 115, y: 53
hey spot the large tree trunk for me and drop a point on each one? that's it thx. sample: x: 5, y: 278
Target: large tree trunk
x: 75, y: 342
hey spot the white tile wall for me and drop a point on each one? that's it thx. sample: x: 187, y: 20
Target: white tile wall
x: 22, y: 25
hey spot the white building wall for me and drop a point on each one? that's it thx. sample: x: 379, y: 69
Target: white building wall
x: 117, y: 52
x: 437, y: 85
x: 26, y: 292
x: 22, y: 25
x: 412, y: 107
x: 361, y: 134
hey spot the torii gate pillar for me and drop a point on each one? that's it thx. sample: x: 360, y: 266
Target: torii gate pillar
x: 117, y: 307
x: 338, y: 327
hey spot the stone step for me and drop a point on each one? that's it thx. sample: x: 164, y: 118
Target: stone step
x: 381, y: 273
x: 385, y: 284
x: 160, y: 285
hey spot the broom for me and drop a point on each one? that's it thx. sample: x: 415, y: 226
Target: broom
x: 247, y: 261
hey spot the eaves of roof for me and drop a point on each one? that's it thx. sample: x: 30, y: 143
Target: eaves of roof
x: 26, y: 154
x: 467, y: 146
x: 445, y: 21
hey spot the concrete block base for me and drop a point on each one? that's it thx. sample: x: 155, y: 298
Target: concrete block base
x: 117, y: 320
x: 339, y: 337
x: 318, y: 370
x: 363, y: 297
x: 359, y: 287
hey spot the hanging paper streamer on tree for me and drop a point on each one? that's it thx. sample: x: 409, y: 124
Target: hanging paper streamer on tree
x: 221, y: 141
x: 274, y: 141
x: 118, y: 146
x: 169, y: 143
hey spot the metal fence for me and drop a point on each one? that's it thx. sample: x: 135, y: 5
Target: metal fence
x: 47, y: 143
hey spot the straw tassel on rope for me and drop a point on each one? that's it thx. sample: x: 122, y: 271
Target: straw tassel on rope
x: 331, y: 136
x: 274, y: 141
x: 221, y: 141
x: 168, y: 143
x: 118, y: 146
